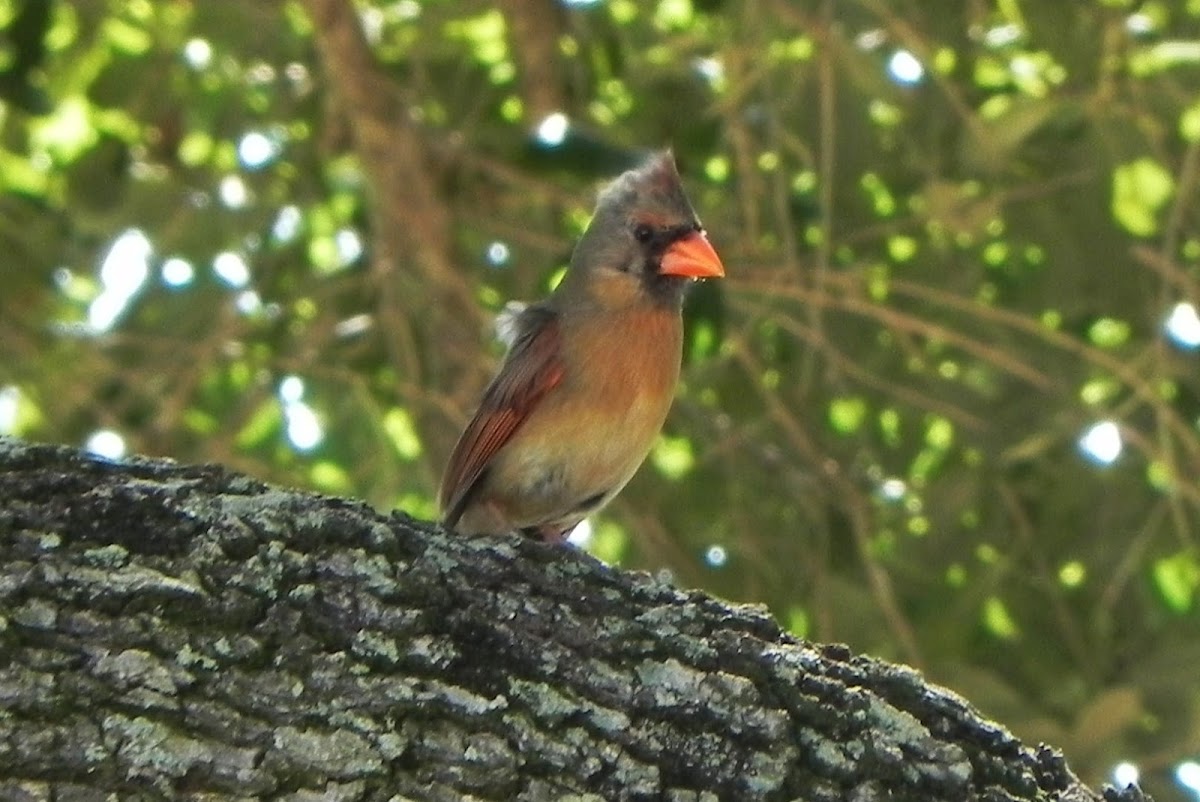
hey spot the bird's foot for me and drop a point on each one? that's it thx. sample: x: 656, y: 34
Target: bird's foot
x: 547, y: 533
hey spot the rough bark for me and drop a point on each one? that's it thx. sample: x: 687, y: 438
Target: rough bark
x: 182, y: 632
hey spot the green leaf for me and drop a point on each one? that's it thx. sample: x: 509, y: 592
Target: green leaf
x: 418, y: 505
x: 901, y: 248
x: 486, y: 35
x: 266, y: 422
x: 18, y: 175
x: 882, y: 199
x: 126, y: 38
x: 717, y: 169
x: 1072, y: 574
x: 200, y: 421
x: 609, y: 542
x: 398, y: 425
x: 1099, y: 390
x: 66, y: 133
x: 195, y: 148
x: 1177, y: 577
x: 1159, y: 475
x: 1189, y: 123
x: 798, y: 622
x: 330, y: 477
x: 939, y: 434
x: 674, y: 15
x: 704, y: 340
x: 846, y: 415
x: 1140, y: 189
x: 673, y: 456
x: 889, y: 426
x: 19, y: 414
x: 1108, y: 332
x: 998, y: 621
x: 1163, y: 56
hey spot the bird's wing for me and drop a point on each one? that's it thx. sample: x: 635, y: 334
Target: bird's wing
x: 531, y: 369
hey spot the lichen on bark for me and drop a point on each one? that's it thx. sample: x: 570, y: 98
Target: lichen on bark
x: 181, y: 632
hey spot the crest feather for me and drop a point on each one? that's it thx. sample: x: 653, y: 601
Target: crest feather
x: 655, y: 182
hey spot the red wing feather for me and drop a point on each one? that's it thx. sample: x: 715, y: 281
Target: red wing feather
x: 532, y: 368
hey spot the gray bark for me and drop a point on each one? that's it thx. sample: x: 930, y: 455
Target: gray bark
x: 182, y: 632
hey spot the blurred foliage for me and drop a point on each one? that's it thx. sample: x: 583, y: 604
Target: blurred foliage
x: 946, y: 407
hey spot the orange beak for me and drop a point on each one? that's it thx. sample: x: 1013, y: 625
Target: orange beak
x: 693, y: 257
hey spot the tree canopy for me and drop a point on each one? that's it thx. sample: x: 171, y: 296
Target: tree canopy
x: 945, y: 407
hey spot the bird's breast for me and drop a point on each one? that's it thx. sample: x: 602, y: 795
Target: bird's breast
x: 590, y: 435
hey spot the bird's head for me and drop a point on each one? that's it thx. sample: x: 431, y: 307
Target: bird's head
x: 644, y: 241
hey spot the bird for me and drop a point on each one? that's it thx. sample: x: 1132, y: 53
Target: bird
x: 590, y: 372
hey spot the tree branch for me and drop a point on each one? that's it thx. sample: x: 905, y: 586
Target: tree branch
x: 535, y: 28
x: 172, y: 631
x: 411, y: 222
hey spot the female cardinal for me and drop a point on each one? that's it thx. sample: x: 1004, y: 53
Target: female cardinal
x: 590, y: 372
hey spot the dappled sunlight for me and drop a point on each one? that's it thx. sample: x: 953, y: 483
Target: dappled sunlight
x: 106, y: 443
x: 10, y: 399
x: 256, y: 150
x: 1101, y: 443
x: 287, y: 224
x: 1183, y: 326
x: 905, y: 69
x: 233, y: 192
x: 716, y: 556
x: 552, y: 131
x: 581, y: 535
x: 122, y: 274
x: 177, y: 272
x: 497, y: 254
x: 1188, y: 775
x: 303, y: 425
x: 198, y: 53
x: 232, y: 269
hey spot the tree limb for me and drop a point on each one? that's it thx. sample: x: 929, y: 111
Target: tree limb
x: 410, y: 220
x: 182, y: 632
x: 535, y: 28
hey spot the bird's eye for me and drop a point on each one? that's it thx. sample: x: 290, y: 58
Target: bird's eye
x: 643, y: 233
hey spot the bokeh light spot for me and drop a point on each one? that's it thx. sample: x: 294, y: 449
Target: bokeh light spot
x: 716, y: 556
x: 497, y: 254
x: 1101, y: 443
x: 1183, y: 326
x: 291, y: 389
x: 197, y: 53
x: 905, y: 68
x: 552, y: 131
x: 177, y: 272
x: 233, y: 192
x: 232, y: 269
x: 106, y: 443
x: 123, y: 272
x: 1125, y: 774
x: 256, y: 149
x: 581, y: 535
x: 1188, y: 775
